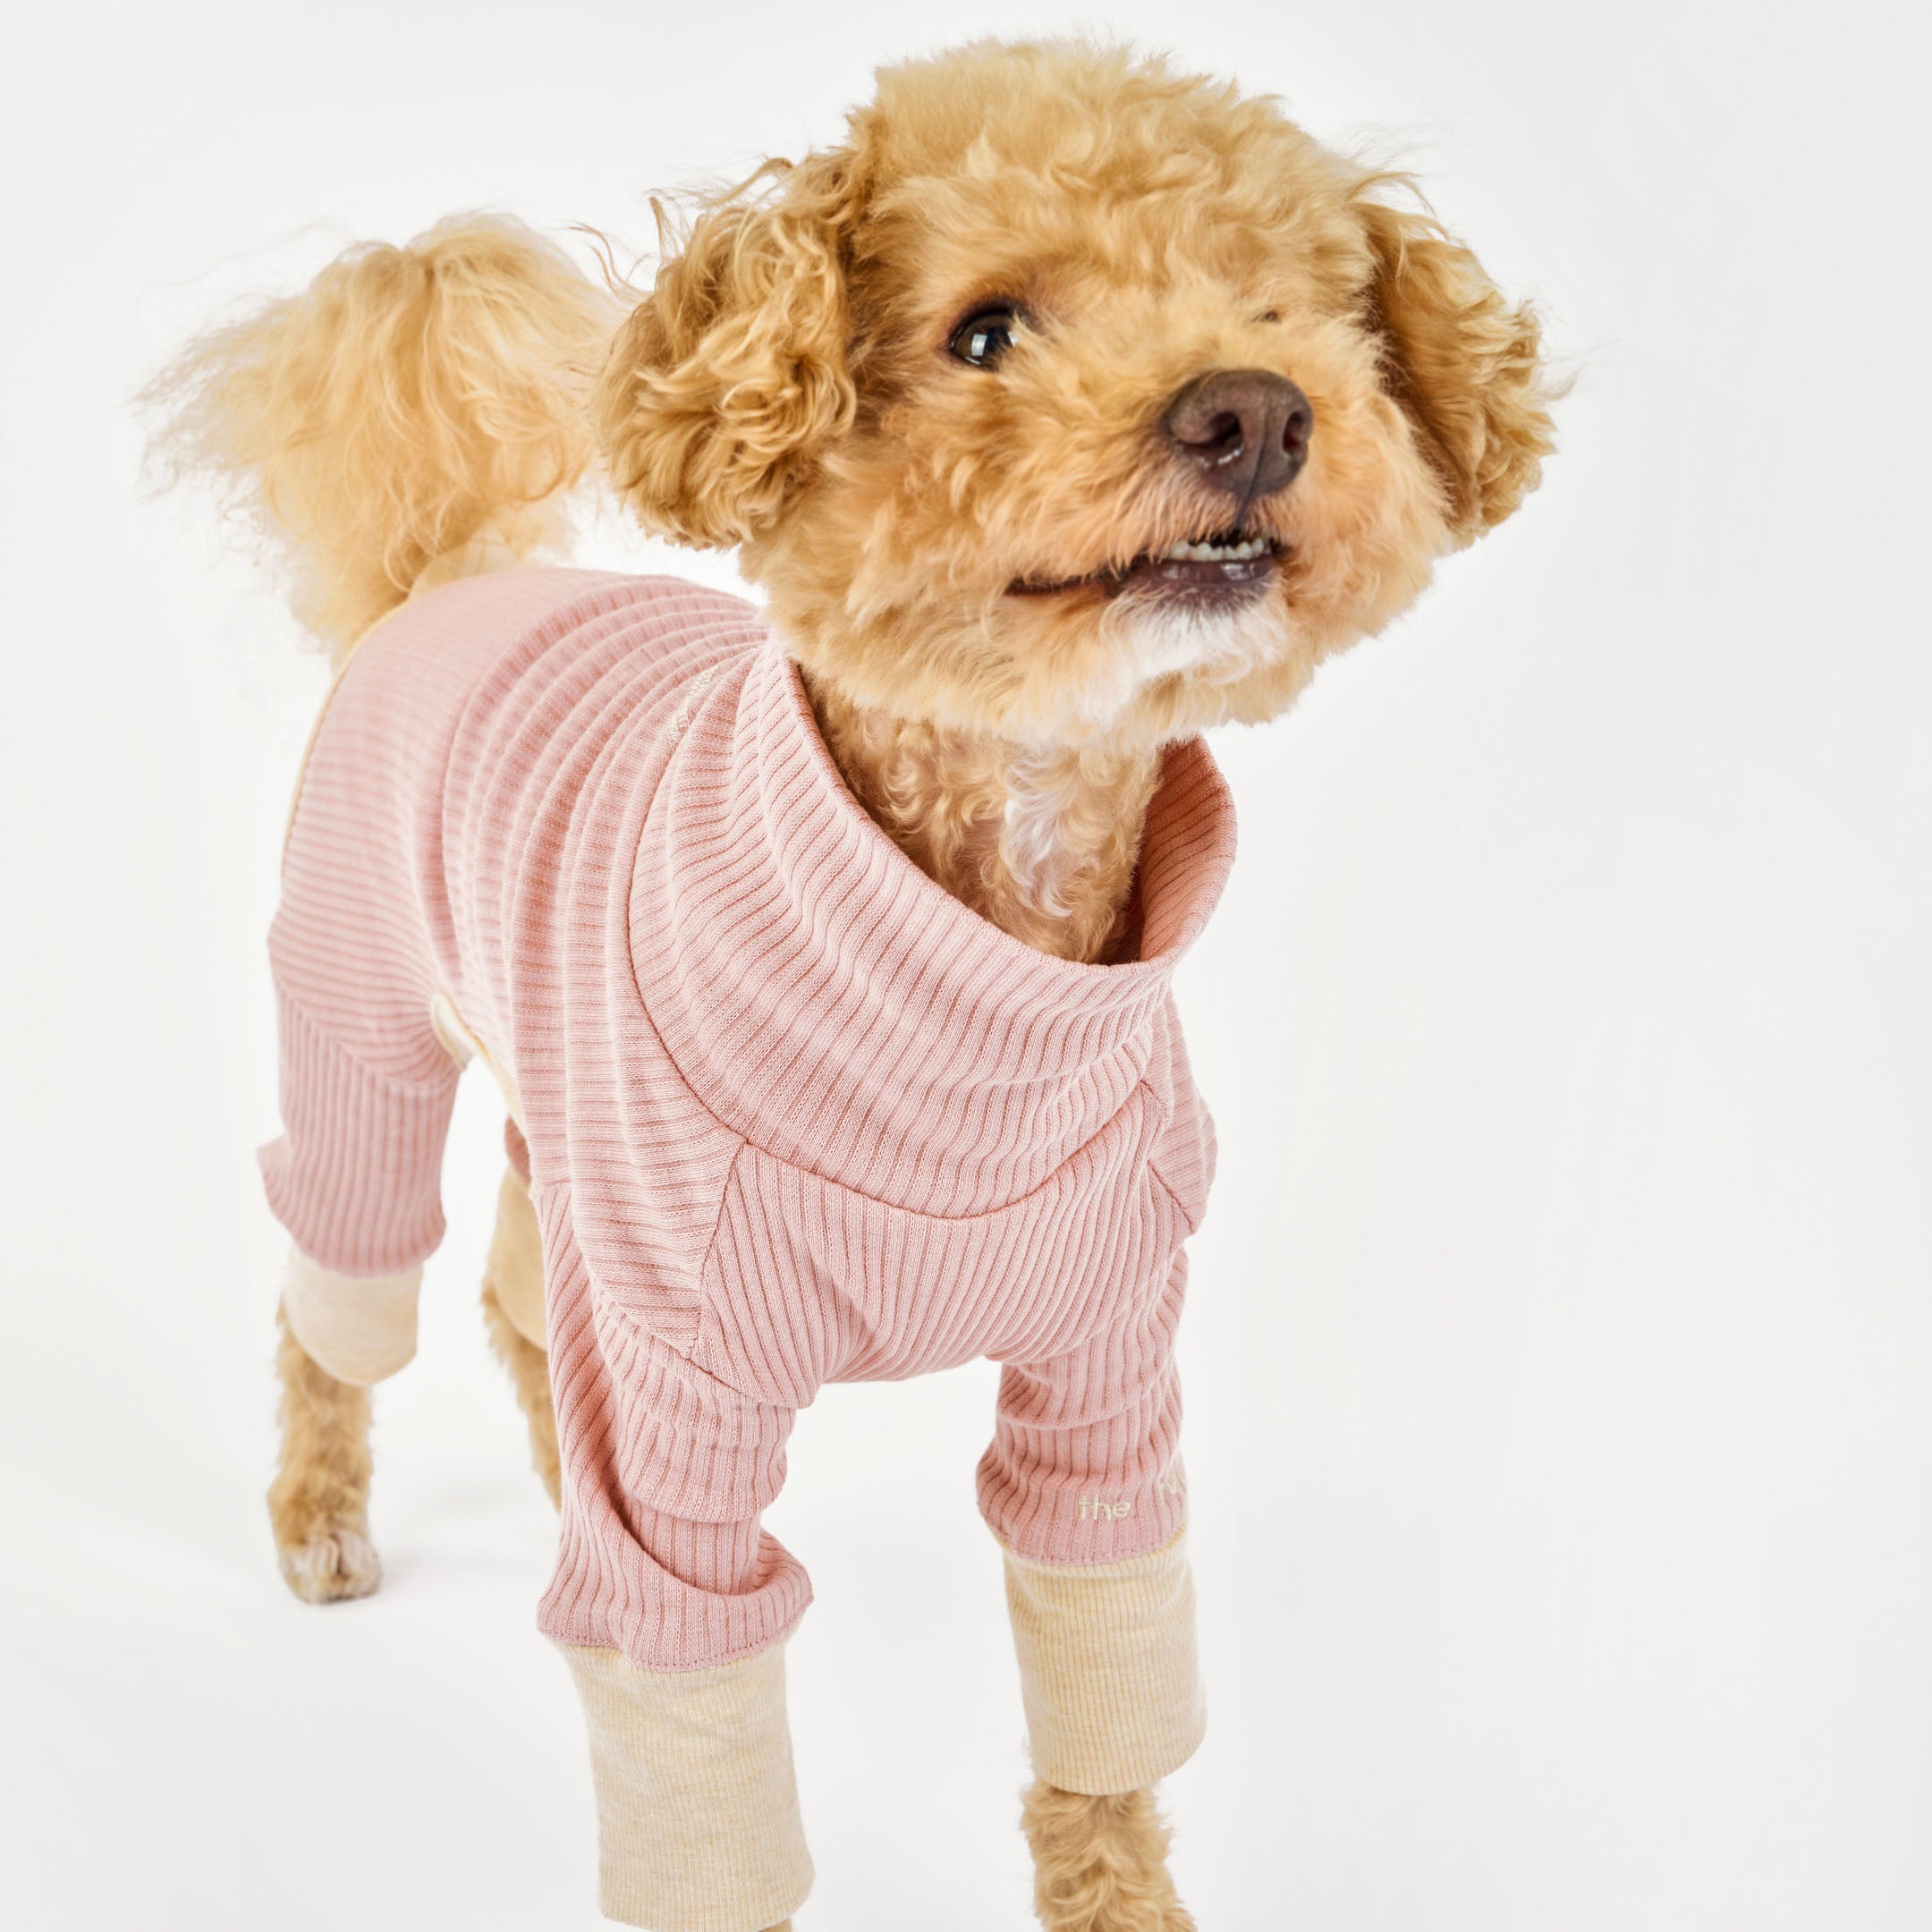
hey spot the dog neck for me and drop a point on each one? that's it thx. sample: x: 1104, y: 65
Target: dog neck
x: 1043, y: 842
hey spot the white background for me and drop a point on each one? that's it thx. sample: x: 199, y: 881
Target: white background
x: 1558, y: 1340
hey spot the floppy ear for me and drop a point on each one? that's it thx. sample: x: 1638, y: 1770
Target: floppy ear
x: 730, y: 379
x: 1465, y: 365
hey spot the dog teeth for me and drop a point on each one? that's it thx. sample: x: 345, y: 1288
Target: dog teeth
x: 1208, y: 553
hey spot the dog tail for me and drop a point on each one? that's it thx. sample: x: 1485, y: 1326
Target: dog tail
x: 410, y: 403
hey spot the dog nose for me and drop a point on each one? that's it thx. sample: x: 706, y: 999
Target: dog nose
x: 1245, y: 430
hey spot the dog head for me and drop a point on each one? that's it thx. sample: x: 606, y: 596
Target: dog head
x: 1073, y: 398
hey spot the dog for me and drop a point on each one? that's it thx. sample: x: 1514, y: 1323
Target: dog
x: 1067, y: 408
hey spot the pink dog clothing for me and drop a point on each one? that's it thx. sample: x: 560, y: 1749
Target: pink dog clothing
x: 794, y: 1116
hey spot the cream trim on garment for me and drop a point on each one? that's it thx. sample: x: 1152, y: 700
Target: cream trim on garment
x: 360, y: 1328
x: 459, y: 1039
x: 1107, y: 1668
x: 698, y: 1814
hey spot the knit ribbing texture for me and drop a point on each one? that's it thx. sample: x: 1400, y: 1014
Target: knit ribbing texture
x: 697, y: 1812
x: 794, y: 1113
x: 1108, y: 1668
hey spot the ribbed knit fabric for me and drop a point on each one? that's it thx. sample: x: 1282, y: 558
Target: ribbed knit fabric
x: 1108, y: 1669
x: 359, y: 1328
x: 698, y: 1813
x: 793, y: 1114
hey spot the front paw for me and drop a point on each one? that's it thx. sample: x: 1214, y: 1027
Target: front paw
x: 333, y: 1564
x: 1101, y: 1863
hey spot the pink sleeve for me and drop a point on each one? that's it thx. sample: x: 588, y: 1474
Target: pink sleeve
x: 666, y: 1473
x: 356, y: 1175
x: 1085, y: 1466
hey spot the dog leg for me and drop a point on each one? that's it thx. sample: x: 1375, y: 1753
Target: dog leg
x: 318, y: 1502
x: 1101, y: 1863
x: 513, y: 1309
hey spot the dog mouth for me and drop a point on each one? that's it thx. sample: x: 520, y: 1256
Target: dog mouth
x: 1227, y: 568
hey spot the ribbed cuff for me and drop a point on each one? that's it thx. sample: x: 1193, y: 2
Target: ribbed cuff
x: 698, y: 1814
x: 1108, y: 1668
x: 360, y: 1328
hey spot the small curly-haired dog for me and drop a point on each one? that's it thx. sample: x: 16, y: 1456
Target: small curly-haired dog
x: 1068, y: 407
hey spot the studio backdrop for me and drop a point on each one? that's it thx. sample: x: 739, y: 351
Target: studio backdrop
x: 1559, y: 1334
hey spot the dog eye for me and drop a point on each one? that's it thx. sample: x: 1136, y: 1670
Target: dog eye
x: 1269, y: 315
x: 986, y: 333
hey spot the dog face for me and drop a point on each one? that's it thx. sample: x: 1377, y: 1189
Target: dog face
x: 1070, y: 399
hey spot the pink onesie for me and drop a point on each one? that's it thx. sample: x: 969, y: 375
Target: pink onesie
x: 793, y: 1114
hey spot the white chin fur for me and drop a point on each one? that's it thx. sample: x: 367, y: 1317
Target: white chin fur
x: 1151, y: 642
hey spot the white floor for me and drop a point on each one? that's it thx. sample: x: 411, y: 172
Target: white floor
x: 1527, y: 1603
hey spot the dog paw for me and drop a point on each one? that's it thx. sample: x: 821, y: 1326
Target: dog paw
x: 1101, y: 1863
x: 1118, y: 1914
x: 1125, y: 1914
x: 334, y: 1565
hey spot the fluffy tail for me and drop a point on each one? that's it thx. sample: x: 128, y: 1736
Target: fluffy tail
x: 411, y: 402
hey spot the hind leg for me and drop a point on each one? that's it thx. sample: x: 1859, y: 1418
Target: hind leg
x: 318, y: 1502
x: 513, y: 1311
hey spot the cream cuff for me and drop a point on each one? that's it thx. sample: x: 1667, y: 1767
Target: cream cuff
x: 698, y: 1814
x: 1107, y: 1668
x: 360, y: 1328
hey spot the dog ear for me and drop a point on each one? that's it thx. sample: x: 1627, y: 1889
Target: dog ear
x: 730, y: 378
x: 1465, y: 366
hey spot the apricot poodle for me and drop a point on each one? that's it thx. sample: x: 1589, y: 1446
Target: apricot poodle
x: 1068, y: 407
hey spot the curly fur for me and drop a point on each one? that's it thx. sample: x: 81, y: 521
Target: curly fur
x: 1466, y: 364
x: 1100, y: 1864
x: 785, y: 386
x: 407, y: 402
x: 1043, y: 844
x: 318, y: 1502
x: 712, y: 409
x: 1154, y: 226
